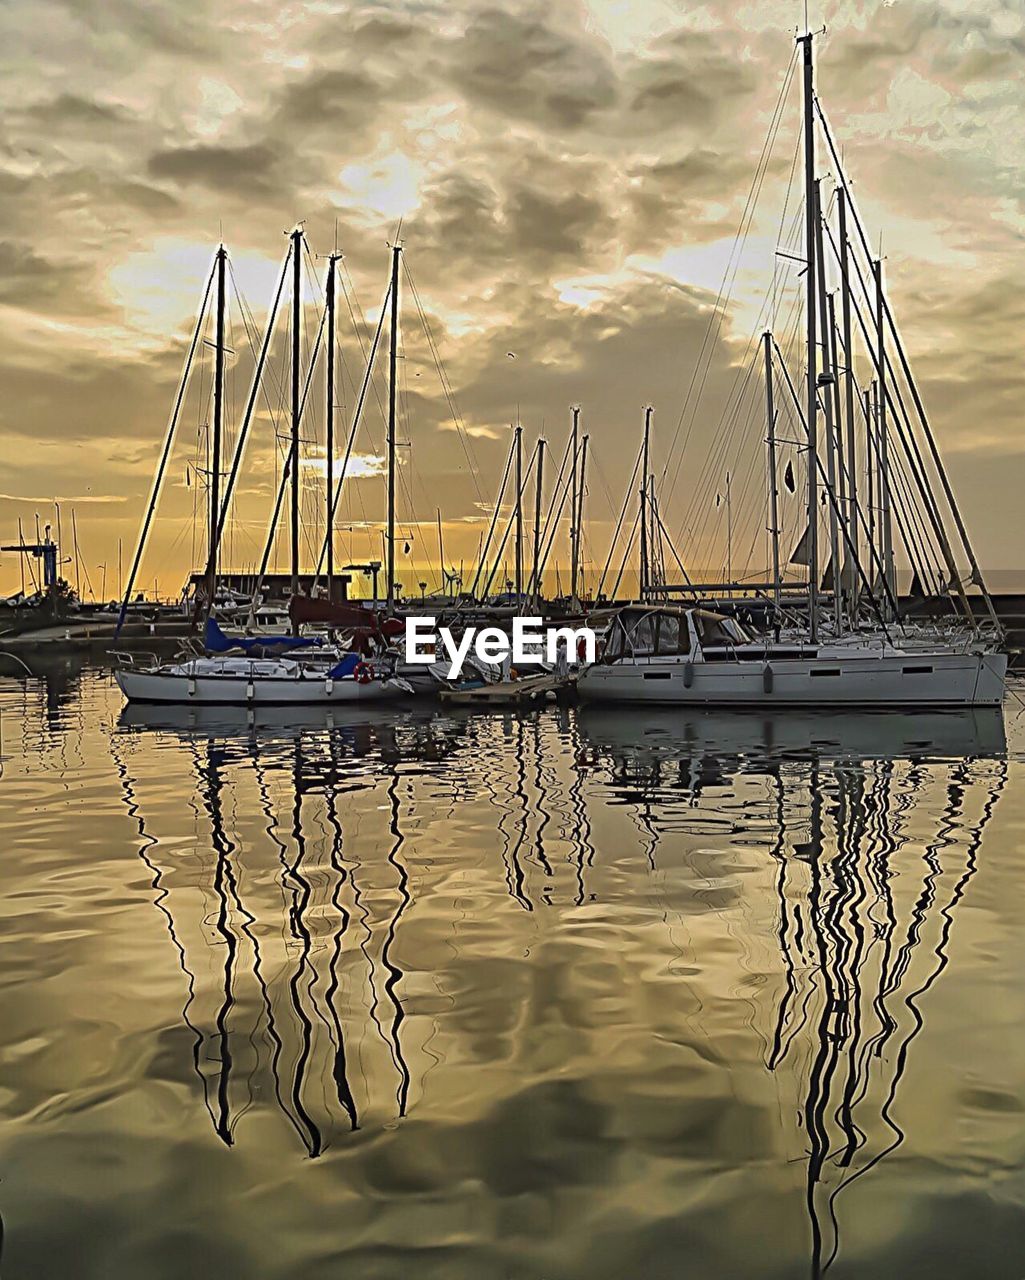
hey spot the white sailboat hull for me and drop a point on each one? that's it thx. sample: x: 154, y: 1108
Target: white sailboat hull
x: 243, y: 689
x: 851, y: 679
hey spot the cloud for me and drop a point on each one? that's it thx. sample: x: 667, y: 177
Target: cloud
x: 520, y: 66
x: 570, y: 181
x: 244, y: 170
x: 71, y: 110
x: 77, y: 499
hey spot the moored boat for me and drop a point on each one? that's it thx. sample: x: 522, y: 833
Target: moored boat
x: 230, y: 680
x: 696, y: 658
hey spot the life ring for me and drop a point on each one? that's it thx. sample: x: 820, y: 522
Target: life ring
x: 363, y: 673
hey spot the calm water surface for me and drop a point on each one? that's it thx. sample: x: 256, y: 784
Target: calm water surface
x: 583, y: 994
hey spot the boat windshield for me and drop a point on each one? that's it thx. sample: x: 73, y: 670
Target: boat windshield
x: 664, y: 632
x: 651, y: 633
x: 718, y: 632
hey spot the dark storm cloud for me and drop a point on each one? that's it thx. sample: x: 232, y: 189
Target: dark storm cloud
x: 893, y: 36
x: 25, y: 275
x: 71, y: 110
x: 521, y: 67
x: 968, y: 362
x: 556, y: 226
x: 340, y: 99
x: 630, y: 348
x: 242, y: 171
x: 688, y: 82
x: 183, y: 29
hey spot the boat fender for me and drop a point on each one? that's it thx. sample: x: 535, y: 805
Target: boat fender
x: 767, y: 678
x: 363, y: 673
x: 192, y: 685
x: 688, y: 674
x: 329, y: 686
x: 250, y: 691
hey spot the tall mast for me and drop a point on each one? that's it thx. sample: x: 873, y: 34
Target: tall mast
x: 393, y: 355
x: 826, y: 381
x: 845, y: 317
x: 297, y: 237
x: 580, y: 512
x: 574, y: 532
x: 441, y: 553
x: 811, y: 304
x: 330, y: 427
x: 644, y: 501
x: 519, y: 515
x: 934, y: 453
x: 538, y: 496
x: 885, y: 520
x: 215, y: 459
x: 729, y: 535
x: 770, y: 419
x: 870, y: 466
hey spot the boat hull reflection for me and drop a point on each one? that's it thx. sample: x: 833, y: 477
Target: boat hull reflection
x: 864, y: 735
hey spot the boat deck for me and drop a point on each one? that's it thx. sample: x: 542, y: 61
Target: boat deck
x: 511, y: 693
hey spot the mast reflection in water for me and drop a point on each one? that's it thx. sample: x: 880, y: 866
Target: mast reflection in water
x: 865, y: 910
x: 281, y: 996
x: 599, y: 990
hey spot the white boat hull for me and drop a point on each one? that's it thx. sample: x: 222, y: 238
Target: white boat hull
x: 843, y: 679
x: 243, y: 691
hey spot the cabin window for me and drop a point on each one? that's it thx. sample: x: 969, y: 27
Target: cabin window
x: 917, y: 671
x: 669, y: 633
x: 615, y: 645
x: 658, y: 675
x: 712, y: 632
x: 642, y: 638
x: 825, y: 671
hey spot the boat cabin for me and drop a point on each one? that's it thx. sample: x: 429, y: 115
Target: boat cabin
x: 662, y: 631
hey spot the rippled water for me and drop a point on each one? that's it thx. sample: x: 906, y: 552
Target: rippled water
x: 583, y: 994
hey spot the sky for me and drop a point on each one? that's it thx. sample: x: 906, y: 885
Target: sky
x: 567, y: 180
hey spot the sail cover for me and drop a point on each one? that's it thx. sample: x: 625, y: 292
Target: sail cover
x: 216, y: 641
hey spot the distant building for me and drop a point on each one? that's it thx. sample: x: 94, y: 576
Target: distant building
x: 276, y: 586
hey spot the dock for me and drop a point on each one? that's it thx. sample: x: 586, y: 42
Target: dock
x: 511, y: 693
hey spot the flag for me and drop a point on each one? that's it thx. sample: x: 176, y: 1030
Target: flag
x: 788, y: 477
x: 405, y: 548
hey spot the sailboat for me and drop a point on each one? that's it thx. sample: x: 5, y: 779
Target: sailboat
x: 266, y: 670
x: 694, y: 657
x: 248, y: 673
x: 847, y: 644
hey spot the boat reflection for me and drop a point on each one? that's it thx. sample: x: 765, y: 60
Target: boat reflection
x: 876, y: 826
x: 305, y: 920
x: 852, y: 735
x: 275, y: 1005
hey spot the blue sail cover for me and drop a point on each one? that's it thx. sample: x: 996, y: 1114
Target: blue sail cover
x: 216, y: 641
x: 346, y: 667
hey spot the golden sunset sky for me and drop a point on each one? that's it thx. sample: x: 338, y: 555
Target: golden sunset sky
x: 570, y: 177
